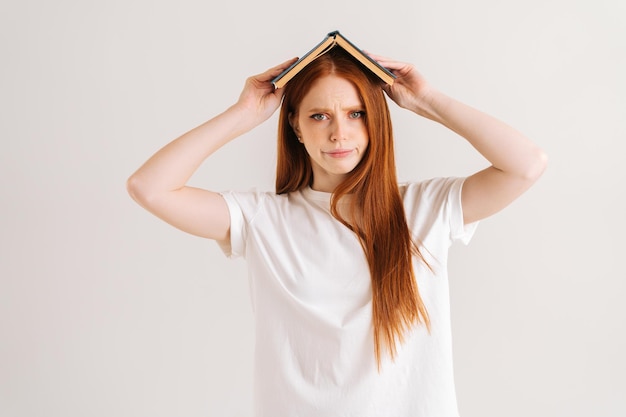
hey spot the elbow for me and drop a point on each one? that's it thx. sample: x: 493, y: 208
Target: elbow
x: 137, y: 189
x: 539, y: 165
x: 145, y: 192
x: 534, y: 167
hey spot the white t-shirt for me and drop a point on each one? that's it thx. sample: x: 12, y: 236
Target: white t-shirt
x: 311, y: 296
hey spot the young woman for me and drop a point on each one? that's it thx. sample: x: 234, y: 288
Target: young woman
x: 347, y: 267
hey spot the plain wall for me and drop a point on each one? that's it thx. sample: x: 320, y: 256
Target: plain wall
x: 106, y: 311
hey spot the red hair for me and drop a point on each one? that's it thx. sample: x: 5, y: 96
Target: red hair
x: 376, y: 212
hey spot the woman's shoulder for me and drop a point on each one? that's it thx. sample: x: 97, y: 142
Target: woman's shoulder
x: 254, y: 199
x: 254, y: 193
x: 429, y: 188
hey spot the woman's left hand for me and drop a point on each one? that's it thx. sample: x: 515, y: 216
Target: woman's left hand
x: 410, y: 89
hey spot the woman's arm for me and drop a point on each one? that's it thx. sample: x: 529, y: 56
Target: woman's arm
x: 516, y: 162
x: 159, y: 185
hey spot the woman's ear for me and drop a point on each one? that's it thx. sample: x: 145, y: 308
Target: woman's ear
x: 293, y: 122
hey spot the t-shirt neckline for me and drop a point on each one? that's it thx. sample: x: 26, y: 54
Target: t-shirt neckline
x: 312, y: 194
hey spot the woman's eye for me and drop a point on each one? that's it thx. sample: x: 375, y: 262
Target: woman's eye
x: 318, y: 116
x: 357, y: 114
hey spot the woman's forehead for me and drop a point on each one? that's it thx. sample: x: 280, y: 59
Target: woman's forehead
x: 331, y: 90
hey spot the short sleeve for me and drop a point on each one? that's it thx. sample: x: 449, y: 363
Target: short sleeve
x: 234, y: 246
x: 243, y: 207
x: 434, y: 210
x: 458, y: 230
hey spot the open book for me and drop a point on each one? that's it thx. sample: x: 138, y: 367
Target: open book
x: 330, y: 41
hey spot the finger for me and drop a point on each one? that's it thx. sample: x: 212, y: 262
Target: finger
x: 383, y: 61
x: 286, y: 64
x: 274, y: 71
x: 271, y: 73
x: 387, y: 62
x: 377, y: 57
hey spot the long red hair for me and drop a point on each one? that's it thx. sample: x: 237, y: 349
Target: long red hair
x: 376, y: 212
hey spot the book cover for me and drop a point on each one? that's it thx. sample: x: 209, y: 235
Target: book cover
x: 332, y: 40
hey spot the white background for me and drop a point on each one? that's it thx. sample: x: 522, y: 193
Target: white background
x: 106, y: 311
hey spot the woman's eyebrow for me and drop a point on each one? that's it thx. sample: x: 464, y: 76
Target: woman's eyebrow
x: 327, y: 109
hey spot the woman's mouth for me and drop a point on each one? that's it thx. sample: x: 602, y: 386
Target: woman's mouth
x: 339, y: 153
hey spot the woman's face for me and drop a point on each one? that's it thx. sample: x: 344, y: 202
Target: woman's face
x: 330, y: 123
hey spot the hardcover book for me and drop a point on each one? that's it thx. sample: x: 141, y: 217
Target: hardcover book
x: 332, y: 40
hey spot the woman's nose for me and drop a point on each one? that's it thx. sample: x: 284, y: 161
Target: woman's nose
x: 337, y: 131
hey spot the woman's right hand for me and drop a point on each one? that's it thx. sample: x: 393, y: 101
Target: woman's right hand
x: 259, y: 98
